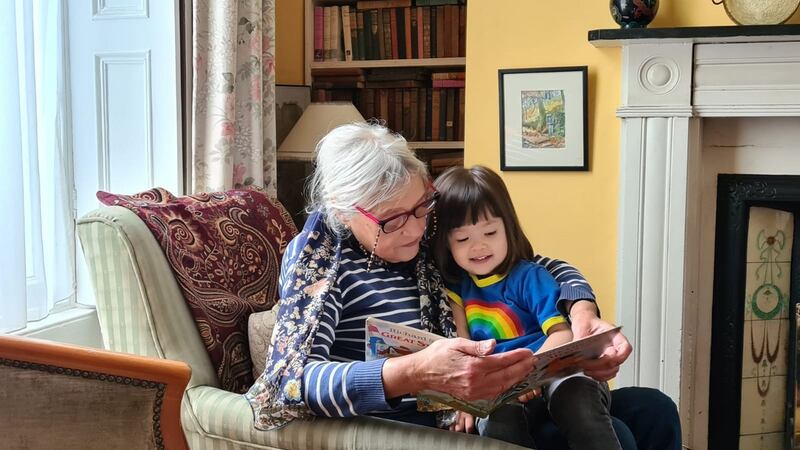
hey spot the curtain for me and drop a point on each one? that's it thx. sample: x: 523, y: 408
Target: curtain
x: 37, y: 226
x: 233, y: 95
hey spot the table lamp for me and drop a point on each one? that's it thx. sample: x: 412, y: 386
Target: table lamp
x: 317, y: 120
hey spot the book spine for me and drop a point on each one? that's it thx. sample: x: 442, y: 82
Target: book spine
x: 451, y: 114
x: 319, y: 33
x: 443, y: 114
x: 378, y: 17
x: 326, y: 43
x: 373, y: 33
x: 407, y: 133
x: 447, y: 35
x: 414, y: 32
x: 348, y: 43
x: 401, y: 33
x: 354, y: 35
x: 398, y: 110
x: 407, y: 23
x: 414, y: 109
x: 362, y: 38
x: 368, y: 35
x: 440, y: 36
x: 426, y: 32
x: 383, y: 104
x: 336, y: 35
x: 429, y: 114
x: 422, y: 113
x: 461, y: 106
x: 454, y: 29
x: 435, y: 113
x: 386, y: 19
x: 393, y: 20
x: 462, y: 30
x: 420, y: 33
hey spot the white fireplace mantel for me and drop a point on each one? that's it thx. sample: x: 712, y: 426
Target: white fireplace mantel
x: 671, y: 79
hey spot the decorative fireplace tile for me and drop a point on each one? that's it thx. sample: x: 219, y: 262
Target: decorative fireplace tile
x: 769, y: 237
x: 771, y: 441
x: 765, y: 348
x: 767, y: 290
x: 763, y: 403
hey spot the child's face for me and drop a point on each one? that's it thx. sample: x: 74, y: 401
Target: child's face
x: 479, y: 248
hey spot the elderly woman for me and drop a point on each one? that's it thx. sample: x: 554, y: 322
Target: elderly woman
x: 363, y: 253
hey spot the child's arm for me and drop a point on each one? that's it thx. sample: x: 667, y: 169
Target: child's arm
x: 460, y: 319
x: 558, y: 334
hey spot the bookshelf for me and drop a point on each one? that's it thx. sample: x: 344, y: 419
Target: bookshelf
x: 446, y: 144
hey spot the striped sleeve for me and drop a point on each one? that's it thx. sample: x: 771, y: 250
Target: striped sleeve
x: 340, y: 389
x: 571, y: 282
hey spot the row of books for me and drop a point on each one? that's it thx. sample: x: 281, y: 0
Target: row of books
x: 345, y: 33
x: 354, y: 78
x: 419, y: 114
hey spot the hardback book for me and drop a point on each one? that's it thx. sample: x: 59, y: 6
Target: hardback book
x: 361, y: 35
x: 450, y: 120
x: 426, y: 32
x: 319, y: 30
x: 451, y: 83
x: 348, y: 42
x: 441, y: 35
x: 354, y: 35
x: 336, y: 34
x: 375, y: 41
x: 448, y: 76
x: 386, y: 20
x: 326, y: 33
x: 436, y: 113
x: 387, y: 340
x: 400, y: 73
x: 400, y: 18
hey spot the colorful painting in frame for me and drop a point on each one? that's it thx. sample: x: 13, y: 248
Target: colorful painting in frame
x: 543, y: 118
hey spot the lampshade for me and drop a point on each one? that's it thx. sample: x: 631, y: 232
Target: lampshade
x: 317, y: 120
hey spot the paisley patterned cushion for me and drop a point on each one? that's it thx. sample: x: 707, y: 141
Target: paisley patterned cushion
x: 225, y: 250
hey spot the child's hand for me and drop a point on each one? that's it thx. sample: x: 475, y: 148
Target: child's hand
x: 528, y: 396
x: 464, y: 422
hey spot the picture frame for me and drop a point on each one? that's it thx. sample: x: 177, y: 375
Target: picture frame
x: 544, y: 119
x: 290, y: 102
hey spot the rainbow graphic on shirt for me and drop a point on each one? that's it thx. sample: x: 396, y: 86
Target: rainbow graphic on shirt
x: 489, y: 320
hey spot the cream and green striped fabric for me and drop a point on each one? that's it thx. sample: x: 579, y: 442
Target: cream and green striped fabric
x: 216, y: 419
x: 142, y: 311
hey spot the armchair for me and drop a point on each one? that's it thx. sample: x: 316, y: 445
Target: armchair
x: 142, y: 310
x: 66, y: 396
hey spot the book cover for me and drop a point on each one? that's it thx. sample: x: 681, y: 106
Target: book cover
x: 386, y: 20
x: 414, y: 32
x: 336, y: 34
x: 400, y: 17
x: 354, y: 35
x: 362, y: 38
x: 436, y: 115
x: 450, y: 120
x: 326, y: 33
x: 378, y: 18
x: 407, y: 35
x: 441, y: 36
x: 386, y: 340
x: 426, y: 32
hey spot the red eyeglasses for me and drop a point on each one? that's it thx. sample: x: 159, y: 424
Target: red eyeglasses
x: 394, y: 223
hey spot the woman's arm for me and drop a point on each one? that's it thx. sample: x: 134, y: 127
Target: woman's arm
x: 340, y: 389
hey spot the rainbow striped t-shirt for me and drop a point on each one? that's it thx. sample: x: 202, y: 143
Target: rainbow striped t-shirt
x: 517, y: 309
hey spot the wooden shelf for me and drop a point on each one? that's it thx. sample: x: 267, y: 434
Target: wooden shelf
x: 376, y: 63
x: 436, y: 145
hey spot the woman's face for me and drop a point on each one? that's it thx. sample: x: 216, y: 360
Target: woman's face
x: 401, y: 245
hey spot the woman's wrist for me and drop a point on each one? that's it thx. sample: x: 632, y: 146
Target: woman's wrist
x: 399, y: 376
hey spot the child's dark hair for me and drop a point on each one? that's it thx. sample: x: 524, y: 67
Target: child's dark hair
x: 466, y: 196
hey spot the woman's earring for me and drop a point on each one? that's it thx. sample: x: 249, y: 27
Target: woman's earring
x: 374, y: 248
x: 433, y: 224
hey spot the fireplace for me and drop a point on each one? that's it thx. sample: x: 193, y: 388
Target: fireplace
x: 687, y: 96
x: 753, y: 338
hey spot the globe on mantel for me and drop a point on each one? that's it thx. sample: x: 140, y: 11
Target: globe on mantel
x: 633, y: 13
x: 759, y: 12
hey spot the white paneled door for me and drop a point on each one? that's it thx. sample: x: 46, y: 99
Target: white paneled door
x: 125, y: 96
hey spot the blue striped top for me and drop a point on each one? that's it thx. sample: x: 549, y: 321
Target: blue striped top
x: 337, y: 381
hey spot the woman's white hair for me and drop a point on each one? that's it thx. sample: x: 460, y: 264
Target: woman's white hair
x: 362, y: 164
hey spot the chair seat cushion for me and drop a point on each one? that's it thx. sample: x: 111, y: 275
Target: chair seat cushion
x: 225, y: 251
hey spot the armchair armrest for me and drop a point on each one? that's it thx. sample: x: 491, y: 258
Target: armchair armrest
x: 78, y: 397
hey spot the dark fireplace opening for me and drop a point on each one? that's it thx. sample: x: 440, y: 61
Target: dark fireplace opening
x: 754, y: 371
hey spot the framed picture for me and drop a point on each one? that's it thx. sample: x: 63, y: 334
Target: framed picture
x: 543, y: 119
x: 290, y: 102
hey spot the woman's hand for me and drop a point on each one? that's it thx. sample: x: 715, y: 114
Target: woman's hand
x: 460, y: 367
x: 464, y: 422
x: 585, y: 323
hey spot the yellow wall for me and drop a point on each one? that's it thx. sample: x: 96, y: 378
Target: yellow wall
x: 289, y: 41
x: 571, y: 216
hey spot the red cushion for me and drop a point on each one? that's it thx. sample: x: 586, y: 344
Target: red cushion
x: 225, y: 250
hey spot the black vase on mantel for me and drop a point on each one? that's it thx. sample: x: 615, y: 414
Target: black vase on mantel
x: 633, y: 13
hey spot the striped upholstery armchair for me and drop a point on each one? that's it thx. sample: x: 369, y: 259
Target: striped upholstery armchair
x: 142, y: 311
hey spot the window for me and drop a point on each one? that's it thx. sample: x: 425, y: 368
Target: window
x: 37, y: 241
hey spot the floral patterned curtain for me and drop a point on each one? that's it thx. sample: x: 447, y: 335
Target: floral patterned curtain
x: 233, y: 95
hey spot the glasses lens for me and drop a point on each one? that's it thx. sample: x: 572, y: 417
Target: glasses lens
x: 395, y: 224
x: 425, y: 208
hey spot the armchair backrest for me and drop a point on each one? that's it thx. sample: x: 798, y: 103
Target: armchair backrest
x: 139, y: 304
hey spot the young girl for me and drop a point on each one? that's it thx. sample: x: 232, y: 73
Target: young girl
x: 499, y: 293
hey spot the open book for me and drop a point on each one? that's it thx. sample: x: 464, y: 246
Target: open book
x: 387, y: 339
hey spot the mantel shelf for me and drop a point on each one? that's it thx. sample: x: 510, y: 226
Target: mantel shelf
x: 376, y: 63
x: 697, y: 35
